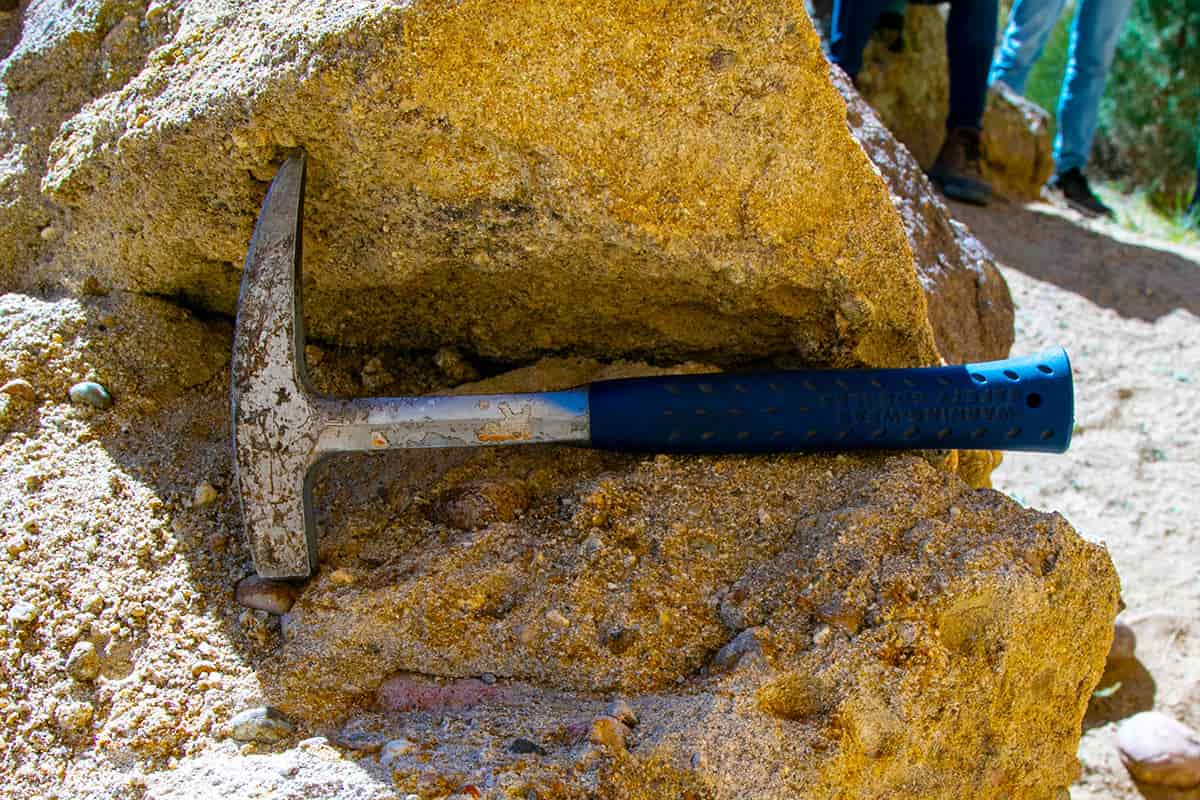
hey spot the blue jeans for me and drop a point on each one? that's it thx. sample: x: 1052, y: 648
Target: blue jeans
x: 970, y: 37
x: 1093, y: 41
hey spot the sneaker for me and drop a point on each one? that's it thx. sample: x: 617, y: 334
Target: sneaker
x: 957, y: 172
x: 1073, y: 186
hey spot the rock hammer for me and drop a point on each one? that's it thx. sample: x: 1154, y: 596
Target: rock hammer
x: 282, y: 428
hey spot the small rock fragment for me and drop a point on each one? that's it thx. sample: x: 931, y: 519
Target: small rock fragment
x: 50, y: 233
x: 477, y: 504
x: 394, y: 750
x: 454, y: 366
x: 1124, y: 644
x: 744, y: 644
x: 204, y: 494
x: 353, y: 737
x: 202, y: 668
x: 83, y: 664
x: 341, y: 577
x: 274, y: 597
x: 20, y: 389
x: 90, y: 393
x: 73, y: 716
x: 621, y: 710
x: 22, y: 614
x: 556, y: 617
x: 610, y: 733
x: 524, y: 746
x: 264, y: 725
x: 1159, y: 750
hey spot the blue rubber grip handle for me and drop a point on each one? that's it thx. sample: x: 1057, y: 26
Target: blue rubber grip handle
x: 1015, y: 404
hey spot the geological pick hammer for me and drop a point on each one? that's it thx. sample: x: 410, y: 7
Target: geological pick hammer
x: 282, y: 428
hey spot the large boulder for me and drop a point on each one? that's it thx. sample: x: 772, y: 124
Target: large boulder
x: 909, y: 89
x: 512, y: 178
x: 970, y: 307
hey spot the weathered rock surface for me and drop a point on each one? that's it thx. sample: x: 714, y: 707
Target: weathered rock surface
x: 515, y: 179
x: 909, y: 91
x: 970, y: 308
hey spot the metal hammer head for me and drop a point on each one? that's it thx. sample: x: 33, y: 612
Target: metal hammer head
x: 275, y: 418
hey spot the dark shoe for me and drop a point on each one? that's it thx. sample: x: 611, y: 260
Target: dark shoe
x: 1073, y: 186
x: 957, y: 172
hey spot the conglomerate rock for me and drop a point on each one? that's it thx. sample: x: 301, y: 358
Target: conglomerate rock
x: 970, y: 308
x: 513, y: 178
x: 909, y: 91
x: 902, y: 625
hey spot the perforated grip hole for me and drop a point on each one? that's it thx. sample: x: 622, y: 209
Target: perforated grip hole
x: 1047, y: 434
x: 1012, y: 376
x: 1034, y: 400
x: 978, y: 377
x: 1045, y: 369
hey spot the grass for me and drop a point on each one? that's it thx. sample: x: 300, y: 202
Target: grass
x: 1136, y: 212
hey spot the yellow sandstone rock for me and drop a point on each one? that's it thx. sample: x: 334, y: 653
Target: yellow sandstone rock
x: 664, y: 179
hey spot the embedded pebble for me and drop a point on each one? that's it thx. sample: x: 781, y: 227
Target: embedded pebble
x: 609, y: 733
x: 744, y: 644
x: 83, y: 664
x: 20, y: 389
x: 525, y: 746
x: 353, y: 737
x: 477, y: 504
x: 1124, y: 644
x: 342, y: 577
x: 73, y: 716
x: 49, y: 233
x: 621, y: 710
x: 407, y: 692
x: 264, y: 725
x: 204, y: 494
x: 454, y: 366
x: 394, y: 750
x: 263, y: 594
x: 22, y: 614
x: 90, y: 393
x: 1159, y: 750
x: 556, y: 617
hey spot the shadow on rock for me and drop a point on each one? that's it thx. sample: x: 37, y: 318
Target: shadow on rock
x: 1134, y: 280
x: 1136, y: 693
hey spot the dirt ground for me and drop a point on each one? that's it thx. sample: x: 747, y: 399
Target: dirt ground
x: 1127, y: 308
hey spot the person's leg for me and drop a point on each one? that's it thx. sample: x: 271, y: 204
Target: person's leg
x: 853, y: 21
x: 970, y: 38
x: 1093, y: 42
x: 1029, y: 26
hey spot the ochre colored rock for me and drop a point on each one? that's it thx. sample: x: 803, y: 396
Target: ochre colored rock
x: 511, y: 179
x: 970, y: 307
x: 909, y: 91
x: 918, y: 637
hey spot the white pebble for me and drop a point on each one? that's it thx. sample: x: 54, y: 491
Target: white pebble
x: 90, y: 393
x: 22, y: 614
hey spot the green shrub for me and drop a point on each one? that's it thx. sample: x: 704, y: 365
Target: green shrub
x: 1150, y: 115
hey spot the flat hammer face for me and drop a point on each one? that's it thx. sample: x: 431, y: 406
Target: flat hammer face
x: 275, y: 421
